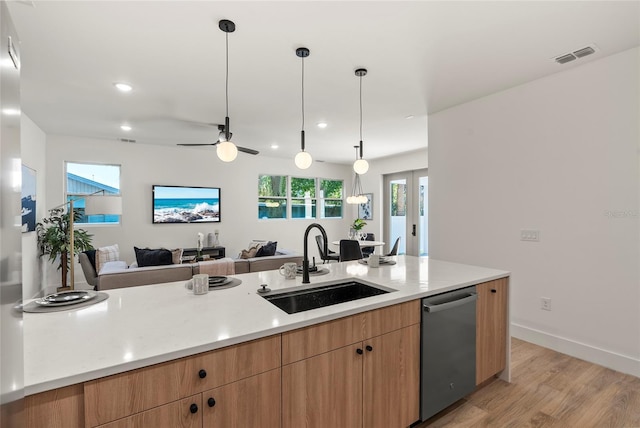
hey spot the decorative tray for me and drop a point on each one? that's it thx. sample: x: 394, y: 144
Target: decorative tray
x: 219, y: 281
x: 64, y: 298
x: 383, y: 261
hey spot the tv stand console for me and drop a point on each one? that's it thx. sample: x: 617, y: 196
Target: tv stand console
x: 190, y: 254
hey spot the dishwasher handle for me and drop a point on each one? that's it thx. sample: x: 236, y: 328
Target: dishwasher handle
x: 451, y: 304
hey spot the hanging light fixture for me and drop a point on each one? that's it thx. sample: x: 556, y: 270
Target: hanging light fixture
x: 361, y: 166
x: 357, y: 197
x: 303, y: 159
x: 225, y: 149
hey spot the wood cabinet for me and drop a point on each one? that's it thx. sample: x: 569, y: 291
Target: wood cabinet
x: 62, y: 407
x: 358, y: 371
x: 114, y: 397
x: 491, y: 328
x: 185, y: 413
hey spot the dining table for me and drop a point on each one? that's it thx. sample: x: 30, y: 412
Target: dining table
x: 364, y: 243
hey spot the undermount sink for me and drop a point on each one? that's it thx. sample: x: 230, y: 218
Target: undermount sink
x: 306, y: 299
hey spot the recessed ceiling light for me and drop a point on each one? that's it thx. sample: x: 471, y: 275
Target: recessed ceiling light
x: 322, y: 125
x: 125, y: 127
x: 409, y: 117
x: 123, y: 87
x: 274, y: 146
x: 11, y: 111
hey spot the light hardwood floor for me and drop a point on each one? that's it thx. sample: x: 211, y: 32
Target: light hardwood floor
x: 548, y: 389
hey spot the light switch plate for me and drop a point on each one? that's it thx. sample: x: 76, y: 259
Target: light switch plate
x: 530, y: 235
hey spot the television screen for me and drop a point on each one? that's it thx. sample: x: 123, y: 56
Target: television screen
x: 181, y: 204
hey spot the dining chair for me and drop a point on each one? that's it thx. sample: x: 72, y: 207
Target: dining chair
x: 394, y: 250
x: 367, y: 251
x: 350, y: 250
x: 326, y: 254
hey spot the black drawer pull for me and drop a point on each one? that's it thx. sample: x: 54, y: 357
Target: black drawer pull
x: 202, y: 373
x: 369, y: 348
x: 493, y: 290
x: 359, y: 351
x: 211, y: 402
x: 193, y: 408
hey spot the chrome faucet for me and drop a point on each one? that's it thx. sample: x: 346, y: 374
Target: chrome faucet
x: 305, y: 260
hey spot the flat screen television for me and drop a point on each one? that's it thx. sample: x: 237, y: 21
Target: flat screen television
x: 182, y: 204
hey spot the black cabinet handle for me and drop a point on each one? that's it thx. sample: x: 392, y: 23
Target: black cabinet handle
x: 493, y: 290
x: 359, y: 351
x: 193, y: 408
x: 202, y: 373
x: 211, y: 402
x: 369, y: 348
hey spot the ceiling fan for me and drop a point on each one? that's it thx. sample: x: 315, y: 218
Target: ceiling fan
x: 222, y: 137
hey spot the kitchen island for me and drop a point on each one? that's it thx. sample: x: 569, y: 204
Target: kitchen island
x: 158, y: 324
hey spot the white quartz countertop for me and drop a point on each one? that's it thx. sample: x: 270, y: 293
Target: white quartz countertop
x: 139, y: 326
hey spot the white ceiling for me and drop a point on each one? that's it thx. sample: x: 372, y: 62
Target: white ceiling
x: 422, y: 57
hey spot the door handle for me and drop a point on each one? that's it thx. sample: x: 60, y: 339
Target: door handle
x: 413, y: 230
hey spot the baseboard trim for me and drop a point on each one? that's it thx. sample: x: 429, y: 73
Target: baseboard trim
x: 612, y: 360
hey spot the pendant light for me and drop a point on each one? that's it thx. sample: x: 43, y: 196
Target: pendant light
x: 303, y: 159
x: 225, y: 149
x: 361, y: 166
x: 357, y: 197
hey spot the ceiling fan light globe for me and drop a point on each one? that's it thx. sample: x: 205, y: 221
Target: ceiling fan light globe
x: 361, y: 166
x: 303, y: 160
x: 226, y: 151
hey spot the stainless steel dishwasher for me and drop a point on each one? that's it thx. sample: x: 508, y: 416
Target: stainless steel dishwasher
x: 448, y: 350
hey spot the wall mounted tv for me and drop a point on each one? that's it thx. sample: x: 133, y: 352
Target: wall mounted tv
x: 182, y: 204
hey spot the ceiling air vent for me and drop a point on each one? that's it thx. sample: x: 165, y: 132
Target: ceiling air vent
x: 127, y: 140
x: 576, y: 54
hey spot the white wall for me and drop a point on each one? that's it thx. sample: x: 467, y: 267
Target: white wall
x: 144, y: 165
x: 33, y: 148
x: 560, y: 155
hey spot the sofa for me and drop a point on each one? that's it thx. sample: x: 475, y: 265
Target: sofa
x: 117, y: 274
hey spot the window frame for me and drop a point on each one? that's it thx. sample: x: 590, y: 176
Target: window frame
x: 78, y: 197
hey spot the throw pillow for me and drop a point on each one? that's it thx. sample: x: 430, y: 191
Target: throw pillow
x: 176, y: 256
x: 249, y: 253
x: 91, y: 255
x: 110, y: 253
x: 268, y: 249
x: 149, y: 257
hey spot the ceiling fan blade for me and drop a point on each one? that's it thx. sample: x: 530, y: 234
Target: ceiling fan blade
x: 246, y: 150
x: 197, y: 144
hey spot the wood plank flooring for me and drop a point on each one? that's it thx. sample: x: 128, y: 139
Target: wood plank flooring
x: 548, y: 389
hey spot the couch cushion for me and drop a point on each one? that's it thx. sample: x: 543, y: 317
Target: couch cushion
x: 149, y: 257
x: 259, y: 264
x: 116, y: 266
x: 144, y: 276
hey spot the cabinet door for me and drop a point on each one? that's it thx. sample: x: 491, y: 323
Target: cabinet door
x: 491, y: 328
x: 186, y: 413
x: 324, y: 391
x: 392, y: 379
x: 251, y: 402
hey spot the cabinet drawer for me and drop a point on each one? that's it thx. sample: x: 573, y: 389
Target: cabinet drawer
x: 125, y: 394
x: 58, y: 408
x: 317, y: 339
x: 177, y: 414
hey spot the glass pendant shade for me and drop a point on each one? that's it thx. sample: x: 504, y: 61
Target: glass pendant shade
x: 361, y: 166
x: 303, y: 160
x: 226, y: 151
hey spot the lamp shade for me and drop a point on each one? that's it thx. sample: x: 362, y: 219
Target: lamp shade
x: 303, y: 160
x: 103, y: 204
x: 226, y: 151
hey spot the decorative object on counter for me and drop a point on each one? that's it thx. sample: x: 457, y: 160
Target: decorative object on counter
x: 200, y: 245
x: 49, y: 304
x: 213, y: 239
x: 365, y: 209
x: 303, y: 159
x: 374, y: 261
x: 263, y: 289
x: 288, y: 270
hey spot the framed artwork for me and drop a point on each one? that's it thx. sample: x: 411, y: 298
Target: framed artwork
x: 28, y: 199
x: 365, y: 211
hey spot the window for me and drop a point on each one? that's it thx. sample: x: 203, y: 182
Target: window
x: 331, y: 198
x: 84, y: 179
x: 308, y: 198
x: 272, y: 196
x: 303, y: 197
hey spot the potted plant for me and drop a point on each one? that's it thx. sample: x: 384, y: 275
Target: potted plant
x: 53, y: 239
x: 356, y: 227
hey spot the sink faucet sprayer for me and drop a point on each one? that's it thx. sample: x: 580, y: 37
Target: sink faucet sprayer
x: 305, y: 260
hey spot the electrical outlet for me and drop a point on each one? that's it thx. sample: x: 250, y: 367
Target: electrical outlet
x: 545, y: 303
x: 530, y: 235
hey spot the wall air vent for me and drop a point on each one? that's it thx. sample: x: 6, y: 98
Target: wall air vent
x: 576, y: 54
x: 127, y: 140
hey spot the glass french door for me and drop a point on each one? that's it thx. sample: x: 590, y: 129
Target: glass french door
x: 406, y: 211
